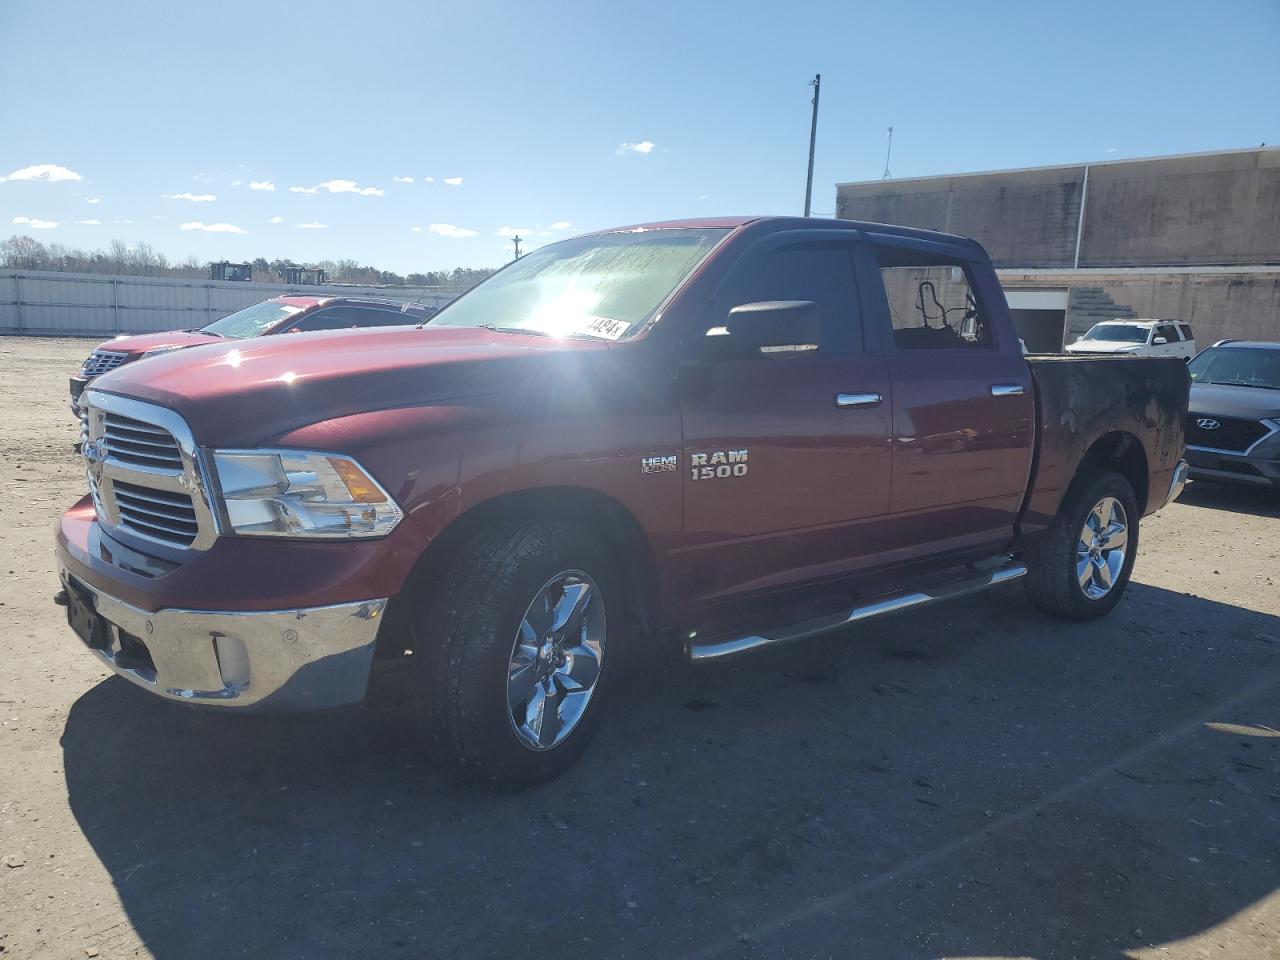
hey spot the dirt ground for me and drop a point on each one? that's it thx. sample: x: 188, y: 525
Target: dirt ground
x: 973, y: 780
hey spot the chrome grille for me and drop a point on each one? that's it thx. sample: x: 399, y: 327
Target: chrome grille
x: 144, y: 472
x: 100, y: 361
x: 157, y: 513
x: 141, y: 444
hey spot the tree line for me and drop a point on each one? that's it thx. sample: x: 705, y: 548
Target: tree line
x: 140, y: 260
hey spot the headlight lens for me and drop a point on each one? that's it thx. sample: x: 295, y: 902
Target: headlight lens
x: 296, y: 493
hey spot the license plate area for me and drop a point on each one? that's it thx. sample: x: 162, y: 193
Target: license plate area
x: 84, y: 619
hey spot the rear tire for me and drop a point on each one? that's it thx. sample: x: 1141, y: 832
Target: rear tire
x: 504, y: 694
x: 1081, y: 566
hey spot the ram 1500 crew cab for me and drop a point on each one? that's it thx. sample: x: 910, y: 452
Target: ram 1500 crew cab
x: 732, y: 432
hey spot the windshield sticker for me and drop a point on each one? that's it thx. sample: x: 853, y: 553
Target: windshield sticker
x: 601, y: 327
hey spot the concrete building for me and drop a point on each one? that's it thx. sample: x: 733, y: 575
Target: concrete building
x: 1193, y: 238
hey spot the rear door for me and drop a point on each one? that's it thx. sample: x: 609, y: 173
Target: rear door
x: 962, y: 399
x: 1172, y: 346
x: 786, y: 454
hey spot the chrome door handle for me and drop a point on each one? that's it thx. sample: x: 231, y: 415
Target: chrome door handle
x: 858, y: 399
x: 1007, y: 390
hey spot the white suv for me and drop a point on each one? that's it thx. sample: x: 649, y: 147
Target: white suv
x: 1144, y: 338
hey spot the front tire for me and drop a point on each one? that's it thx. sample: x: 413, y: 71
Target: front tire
x: 515, y: 642
x: 1081, y: 567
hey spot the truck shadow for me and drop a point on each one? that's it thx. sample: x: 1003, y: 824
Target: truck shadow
x: 970, y: 780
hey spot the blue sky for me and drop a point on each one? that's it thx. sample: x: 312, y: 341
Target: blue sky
x: 527, y: 108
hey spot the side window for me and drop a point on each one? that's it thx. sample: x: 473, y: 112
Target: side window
x: 1168, y: 331
x: 817, y: 271
x: 330, y: 318
x: 1186, y: 331
x: 932, y: 304
x: 376, y: 317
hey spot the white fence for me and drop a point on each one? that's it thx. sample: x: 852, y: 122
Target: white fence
x: 91, y: 304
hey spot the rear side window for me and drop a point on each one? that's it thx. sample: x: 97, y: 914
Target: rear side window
x: 932, y: 303
x: 338, y: 318
x: 1186, y: 331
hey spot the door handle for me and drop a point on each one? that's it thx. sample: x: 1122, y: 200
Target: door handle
x: 858, y: 399
x: 1007, y: 390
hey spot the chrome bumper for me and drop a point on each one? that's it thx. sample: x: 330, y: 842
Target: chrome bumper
x: 1179, y: 480
x: 277, y: 661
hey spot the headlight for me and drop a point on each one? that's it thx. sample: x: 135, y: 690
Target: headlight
x: 295, y: 493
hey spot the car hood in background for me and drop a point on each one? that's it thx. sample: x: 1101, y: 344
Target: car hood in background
x: 1103, y: 346
x: 246, y: 391
x: 142, y: 343
x: 1225, y: 400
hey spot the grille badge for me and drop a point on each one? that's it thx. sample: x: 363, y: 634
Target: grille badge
x: 1208, y: 423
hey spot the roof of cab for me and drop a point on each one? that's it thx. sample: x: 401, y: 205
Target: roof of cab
x: 795, y: 223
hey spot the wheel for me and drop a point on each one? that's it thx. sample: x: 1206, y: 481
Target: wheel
x: 1081, y: 566
x: 513, y: 645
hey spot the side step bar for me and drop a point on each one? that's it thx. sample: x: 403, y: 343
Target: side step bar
x: 699, y: 652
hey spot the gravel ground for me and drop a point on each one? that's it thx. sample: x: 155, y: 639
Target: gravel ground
x: 973, y: 780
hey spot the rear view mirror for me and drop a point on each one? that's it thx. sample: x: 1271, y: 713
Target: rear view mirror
x: 776, y: 325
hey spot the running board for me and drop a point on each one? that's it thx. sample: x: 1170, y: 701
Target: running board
x: 699, y: 652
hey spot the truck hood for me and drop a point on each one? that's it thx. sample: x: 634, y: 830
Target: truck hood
x: 142, y: 343
x: 247, y: 391
x: 1225, y: 400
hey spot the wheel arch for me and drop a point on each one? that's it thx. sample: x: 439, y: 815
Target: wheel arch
x: 1121, y: 451
x: 580, y: 505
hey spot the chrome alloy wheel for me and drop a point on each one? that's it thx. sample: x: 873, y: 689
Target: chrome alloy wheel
x: 1100, y: 552
x: 556, y: 660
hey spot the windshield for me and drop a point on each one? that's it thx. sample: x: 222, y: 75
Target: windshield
x: 604, y: 286
x: 1118, y: 333
x: 1237, y: 366
x: 251, y: 321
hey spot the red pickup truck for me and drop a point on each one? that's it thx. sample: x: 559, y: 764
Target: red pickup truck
x: 730, y: 433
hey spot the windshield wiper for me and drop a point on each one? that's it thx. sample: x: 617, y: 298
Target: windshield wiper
x: 1245, y: 383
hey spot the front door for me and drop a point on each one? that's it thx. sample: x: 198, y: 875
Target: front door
x: 786, y: 453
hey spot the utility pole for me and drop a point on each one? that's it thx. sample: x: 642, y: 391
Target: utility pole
x: 516, y: 242
x: 887, y: 152
x: 816, y: 83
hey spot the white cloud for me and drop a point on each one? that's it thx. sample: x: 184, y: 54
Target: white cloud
x: 276, y: 220
x: 94, y: 200
x: 416, y: 229
x: 340, y: 186
x: 561, y: 225
x: 643, y: 146
x: 313, y: 225
x: 402, y: 179
x: 89, y: 223
x: 453, y: 181
x: 702, y: 196
x: 122, y: 221
x: 449, y: 230
x: 261, y: 185
x: 212, y: 227
x: 428, y: 179
x: 48, y: 172
x: 522, y: 232
x: 193, y: 197
x: 35, y: 223
x: 236, y: 183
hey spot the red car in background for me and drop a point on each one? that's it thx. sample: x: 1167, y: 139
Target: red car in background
x: 291, y: 314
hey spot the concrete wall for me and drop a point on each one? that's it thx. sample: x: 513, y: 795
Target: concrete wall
x: 90, y: 304
x: 1207, y: 209
x: 1240, y: 303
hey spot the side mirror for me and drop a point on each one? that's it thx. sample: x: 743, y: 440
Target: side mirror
x: 777, y: 324
x: 1159, y: 341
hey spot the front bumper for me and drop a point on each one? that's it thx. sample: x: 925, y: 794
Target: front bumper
x: 277, y: 661
x: 1259, y: 468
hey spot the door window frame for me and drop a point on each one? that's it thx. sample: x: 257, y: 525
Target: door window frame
x: 720, y: 301
x: 986, y: 291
